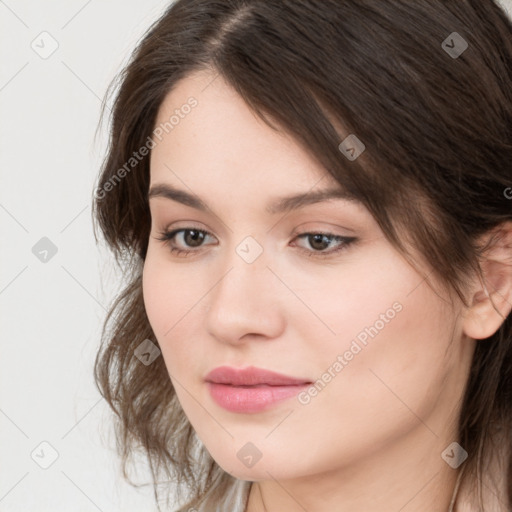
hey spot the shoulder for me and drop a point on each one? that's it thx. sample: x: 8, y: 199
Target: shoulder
x: 231, y: 498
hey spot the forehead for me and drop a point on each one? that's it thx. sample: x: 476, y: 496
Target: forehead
x: 221, y: 139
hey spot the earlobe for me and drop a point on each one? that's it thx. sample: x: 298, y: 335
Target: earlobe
x: 491, y: 302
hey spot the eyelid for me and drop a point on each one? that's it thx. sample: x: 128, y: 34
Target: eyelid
x: 298, y: 231
x: 332, y: 229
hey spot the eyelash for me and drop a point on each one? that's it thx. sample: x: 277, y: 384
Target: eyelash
x: 346, y: 241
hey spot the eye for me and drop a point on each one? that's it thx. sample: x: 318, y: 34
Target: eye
x: 194, y: 238
x: 319, y: 241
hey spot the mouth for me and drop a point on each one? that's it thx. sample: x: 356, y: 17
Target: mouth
x: 251, y: 390
x: 252, y: 376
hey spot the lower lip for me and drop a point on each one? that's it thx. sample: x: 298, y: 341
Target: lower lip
x: 251, y: 399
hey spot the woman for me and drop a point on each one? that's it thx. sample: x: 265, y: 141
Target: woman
x: 312, y: 201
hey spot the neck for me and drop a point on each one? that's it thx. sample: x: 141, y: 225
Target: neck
x: 411, y: 477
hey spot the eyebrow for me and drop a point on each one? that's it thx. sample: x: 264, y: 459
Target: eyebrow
x: 281, y: 205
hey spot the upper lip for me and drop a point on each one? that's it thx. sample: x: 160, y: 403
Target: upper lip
x: 251, y: 376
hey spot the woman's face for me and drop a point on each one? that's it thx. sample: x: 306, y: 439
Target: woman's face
x: 385, y: 353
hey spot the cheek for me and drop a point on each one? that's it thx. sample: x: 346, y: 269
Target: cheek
x: 390, y: 364
x: 174, y: 299
x: 158, y: 297
x: 391, y: 339
x: 347, y: 298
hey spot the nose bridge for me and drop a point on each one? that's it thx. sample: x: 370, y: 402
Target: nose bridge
x: 241, y: 302
x: 245, y: 274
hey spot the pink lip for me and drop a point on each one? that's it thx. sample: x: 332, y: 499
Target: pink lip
x: 251, y: 389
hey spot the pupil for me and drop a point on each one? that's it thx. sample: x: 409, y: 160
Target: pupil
x: 318, y: 238
x: 197, y: 236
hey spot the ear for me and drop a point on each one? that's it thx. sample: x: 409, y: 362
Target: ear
x: 491, y: 300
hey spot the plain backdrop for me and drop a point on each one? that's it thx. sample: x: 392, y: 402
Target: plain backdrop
x: 56, y: 445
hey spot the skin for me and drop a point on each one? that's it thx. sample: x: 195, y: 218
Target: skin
x: 372, y: 438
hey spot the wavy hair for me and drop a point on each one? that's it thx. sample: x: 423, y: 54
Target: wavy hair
x: 438, y: 134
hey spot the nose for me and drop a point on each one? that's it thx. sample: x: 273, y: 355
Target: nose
x: 244, y: 304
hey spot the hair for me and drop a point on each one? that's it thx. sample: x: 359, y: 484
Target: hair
x: 437, y: 132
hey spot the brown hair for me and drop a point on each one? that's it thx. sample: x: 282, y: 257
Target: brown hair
x: 437, y: 130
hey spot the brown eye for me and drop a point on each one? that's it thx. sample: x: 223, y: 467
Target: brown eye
x: 191, y: 237
x: 321, y: 241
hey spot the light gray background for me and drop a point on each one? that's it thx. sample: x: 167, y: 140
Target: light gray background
x: 52, y: 312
